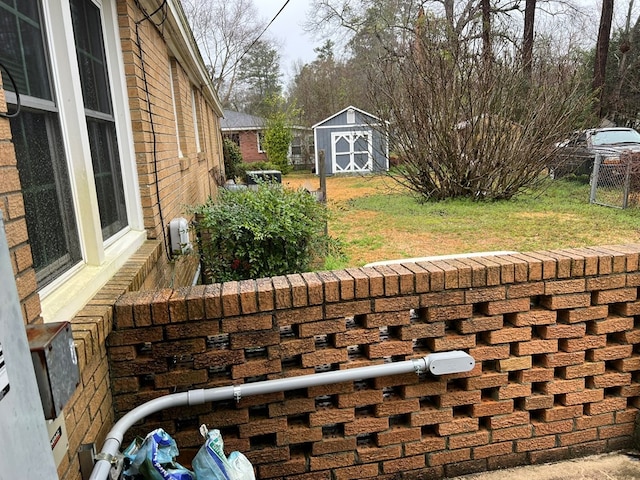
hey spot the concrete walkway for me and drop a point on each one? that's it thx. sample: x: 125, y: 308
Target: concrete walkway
x: 611, y: 466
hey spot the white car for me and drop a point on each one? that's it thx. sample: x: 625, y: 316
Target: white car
x: 577, y: 154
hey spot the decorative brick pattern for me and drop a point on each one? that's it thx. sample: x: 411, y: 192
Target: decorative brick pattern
x: 553, y: 335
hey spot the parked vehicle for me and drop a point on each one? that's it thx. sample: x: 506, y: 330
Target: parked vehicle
x: 576, y: 155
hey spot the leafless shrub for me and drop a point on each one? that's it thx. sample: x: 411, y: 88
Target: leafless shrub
x: 465, y: 128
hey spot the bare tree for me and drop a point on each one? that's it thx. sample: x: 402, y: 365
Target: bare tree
x: 602, y: 48
x: 461, y: 133
x: 486, y: 33
x: 391, y: 15
x: 224, y: 31
x: 321, y: 88
x: 624, y: 58
x: 463, y: 115
x: 527, y: 41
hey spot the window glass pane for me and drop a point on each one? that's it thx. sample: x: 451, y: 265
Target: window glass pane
x: 106, y: 171
x: 87, y: 29
x: 22, y: 48
x: 42, y: 167
x: 47, y: 194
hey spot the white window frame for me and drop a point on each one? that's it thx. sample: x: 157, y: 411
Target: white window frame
x: 175, y: 107
x: 260, y: 149
x: 196, y: 125
x: 67, y: 294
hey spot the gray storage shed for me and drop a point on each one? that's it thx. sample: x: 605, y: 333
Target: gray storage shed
x: 353, y: 141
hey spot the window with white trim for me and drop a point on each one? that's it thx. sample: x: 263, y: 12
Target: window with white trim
x: 67, y: 139
x: 260, y: 142
x: 94, y: 78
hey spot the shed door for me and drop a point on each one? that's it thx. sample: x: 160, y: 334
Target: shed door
x: 352, y: 151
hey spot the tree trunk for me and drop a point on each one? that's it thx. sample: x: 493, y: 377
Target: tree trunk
x: 527, y: 42
x: 626, y: 41
x: 486, y: 34
x: 602, y: 50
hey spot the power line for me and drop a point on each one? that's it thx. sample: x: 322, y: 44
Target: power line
x: 263, y: 31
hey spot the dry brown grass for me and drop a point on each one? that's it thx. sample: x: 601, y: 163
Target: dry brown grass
x: 340, y: 189
x: 354, y: 227
x: 407, y: 229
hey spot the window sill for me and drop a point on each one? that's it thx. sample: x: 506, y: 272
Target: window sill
x: 66, y: 296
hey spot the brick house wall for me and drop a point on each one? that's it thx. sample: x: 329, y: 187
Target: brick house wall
x: 185, y: 175
x: 167, y: 181
x: 554, y: 335
x: 249, y: 147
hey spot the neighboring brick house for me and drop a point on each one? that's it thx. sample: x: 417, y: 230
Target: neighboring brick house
x: 117, y: 131
x: 246, y: 131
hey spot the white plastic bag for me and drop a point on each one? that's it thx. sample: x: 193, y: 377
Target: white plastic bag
x: 210, y: 463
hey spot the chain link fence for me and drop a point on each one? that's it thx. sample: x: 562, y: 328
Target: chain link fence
x: 615, y: 181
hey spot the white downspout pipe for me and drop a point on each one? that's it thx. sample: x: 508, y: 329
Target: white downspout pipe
x: 437, y: 363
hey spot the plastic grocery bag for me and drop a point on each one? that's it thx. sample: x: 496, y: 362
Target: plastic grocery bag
x: 154, y: 459
x: 210, y: 463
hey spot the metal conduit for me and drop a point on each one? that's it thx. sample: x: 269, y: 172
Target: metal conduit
x: 437, y: 363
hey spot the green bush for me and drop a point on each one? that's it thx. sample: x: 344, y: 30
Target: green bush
x: 277, y: 139
x: 232, y: 158
x: 260, y: 233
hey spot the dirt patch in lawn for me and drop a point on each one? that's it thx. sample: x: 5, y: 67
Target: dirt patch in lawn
x: 342, y: 188
x: 365, y: 236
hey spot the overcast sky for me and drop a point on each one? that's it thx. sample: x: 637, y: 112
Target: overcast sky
x: 287, y: 30
x: 297, y: 45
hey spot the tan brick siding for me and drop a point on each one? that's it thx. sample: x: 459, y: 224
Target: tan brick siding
x: 179, y: 181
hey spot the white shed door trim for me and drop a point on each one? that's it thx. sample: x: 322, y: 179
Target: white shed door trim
x: 352, y: 151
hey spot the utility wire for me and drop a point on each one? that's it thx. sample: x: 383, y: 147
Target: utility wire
x: 154, y: 136
x: 15, y: 90
x: 262, y: 32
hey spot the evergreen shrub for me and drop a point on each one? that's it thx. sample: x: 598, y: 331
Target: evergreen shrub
x: 232, y: 158
x: 260, y: 233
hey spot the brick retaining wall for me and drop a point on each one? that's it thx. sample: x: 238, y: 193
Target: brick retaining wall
x: 553, y: 334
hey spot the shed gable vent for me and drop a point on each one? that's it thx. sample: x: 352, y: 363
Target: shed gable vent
x: 351, y: 116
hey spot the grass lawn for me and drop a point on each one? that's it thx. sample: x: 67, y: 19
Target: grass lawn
x: 374, y: 219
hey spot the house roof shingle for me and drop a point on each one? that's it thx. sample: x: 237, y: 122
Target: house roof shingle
x: 234, y: 121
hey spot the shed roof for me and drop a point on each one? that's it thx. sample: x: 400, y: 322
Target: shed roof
x: 362, y: 112
x: 240, y: 121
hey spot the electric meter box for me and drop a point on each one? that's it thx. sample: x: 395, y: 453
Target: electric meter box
x: 55, y: 363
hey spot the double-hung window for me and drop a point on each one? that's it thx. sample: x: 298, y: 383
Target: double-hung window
x: 36, y: 132
x: 92, y: 63
x: 71, y: 135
